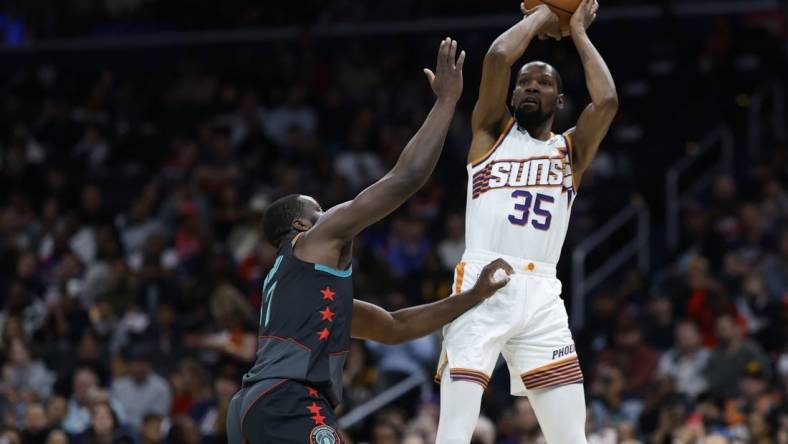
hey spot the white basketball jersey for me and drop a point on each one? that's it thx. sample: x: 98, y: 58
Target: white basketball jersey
x: 520, y: 196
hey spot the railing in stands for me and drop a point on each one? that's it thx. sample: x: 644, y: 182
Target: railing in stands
x: 582, y: 282
x: 384, y: 398
x: 773, y: 95
x: 676, y: 196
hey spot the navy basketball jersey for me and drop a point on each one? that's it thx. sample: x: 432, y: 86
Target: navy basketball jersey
x: 305, y: 320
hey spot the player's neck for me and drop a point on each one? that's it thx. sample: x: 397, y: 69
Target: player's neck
x: 540, y: 132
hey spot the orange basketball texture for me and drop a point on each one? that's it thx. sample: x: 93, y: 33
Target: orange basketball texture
x: 562, y: 8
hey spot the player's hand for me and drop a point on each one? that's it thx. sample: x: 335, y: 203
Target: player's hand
x: 547, y: 22
x: 488, y: 282
x: 446, y: 81
x: 584, y: 16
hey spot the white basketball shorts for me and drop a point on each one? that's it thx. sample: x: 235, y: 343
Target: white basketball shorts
x: 526, y: 321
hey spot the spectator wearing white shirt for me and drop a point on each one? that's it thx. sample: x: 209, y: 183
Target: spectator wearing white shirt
x: 685, y: 362
x: 143, y: 391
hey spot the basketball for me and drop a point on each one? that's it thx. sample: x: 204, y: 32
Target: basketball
x: 562, y: 8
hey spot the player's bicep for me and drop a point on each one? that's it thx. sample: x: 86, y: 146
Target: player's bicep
x: 592, y: 126
x: 372, y: 322
x: 490, y: 112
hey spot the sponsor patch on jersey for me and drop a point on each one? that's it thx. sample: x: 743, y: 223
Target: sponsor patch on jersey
x: 324, y: 435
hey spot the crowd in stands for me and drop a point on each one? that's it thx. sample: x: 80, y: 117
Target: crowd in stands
x: 131, y: 254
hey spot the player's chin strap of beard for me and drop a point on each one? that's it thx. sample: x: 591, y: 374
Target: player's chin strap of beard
x: 530, y: 119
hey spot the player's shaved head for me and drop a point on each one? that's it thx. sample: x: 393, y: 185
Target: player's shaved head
x: 282, y: 214
x: 548, y: 68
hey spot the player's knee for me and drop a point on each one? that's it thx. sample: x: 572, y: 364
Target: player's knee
x: 455, y: 433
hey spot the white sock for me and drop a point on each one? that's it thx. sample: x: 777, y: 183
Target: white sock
x: 460, y: 405
x: 561, y: 412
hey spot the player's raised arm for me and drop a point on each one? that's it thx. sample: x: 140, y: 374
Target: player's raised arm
x: 598, y: 115
x: 376, y: 324
x: 491, y: 114
x: 415, y: 164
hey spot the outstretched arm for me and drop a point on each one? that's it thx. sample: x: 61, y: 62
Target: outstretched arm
x: 596, y: 118
x: 491, y: 114
x: 415, y: 164
x: 376, y: 324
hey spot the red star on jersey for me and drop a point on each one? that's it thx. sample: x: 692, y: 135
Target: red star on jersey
x: 328, y: 294
x: 323, y: 334
x: 319, y: 419
x: 328, y: 315
x: 314, y: 409
x: 313, y: 393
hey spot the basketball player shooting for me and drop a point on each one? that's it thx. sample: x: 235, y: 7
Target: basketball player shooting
x: 522, y: 181
x: 308, y: 313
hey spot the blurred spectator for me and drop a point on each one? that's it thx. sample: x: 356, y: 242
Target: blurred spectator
x: 628, y: 354
x: 451, y: 248
x: 36, y: 425
x: 686, y: 362
x: 295, y: 112
x: 386, y: 433
x: 24, y: 374
x: 359, y: 166
x: 754, y: 397
x: 85, y: 393
x: 57, y: 407
x: 775, y: 270
x: 142, y: 391
x: 407, y: 247
x: 708, y: 299
x: 728, y: 362
x: 150, y: 431
x: 183, y: 431
x: 105, y: 428
x: 57, y: 436
x: 610, y: 403
x: 659, y: 324
x: 10, y: 436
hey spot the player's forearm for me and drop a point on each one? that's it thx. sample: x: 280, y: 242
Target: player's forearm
x: 599, y: 81
x: 415, y: 322
x: 510, y: 46
x: 421, y: 154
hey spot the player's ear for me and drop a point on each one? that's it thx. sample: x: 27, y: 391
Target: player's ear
x: 561, y: 101
x: 301, y: 224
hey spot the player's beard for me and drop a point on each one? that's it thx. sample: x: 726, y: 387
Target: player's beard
x: 531, y: 119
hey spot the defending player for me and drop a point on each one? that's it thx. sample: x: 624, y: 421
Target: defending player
x: 522, y: 182
x: 308, y: 313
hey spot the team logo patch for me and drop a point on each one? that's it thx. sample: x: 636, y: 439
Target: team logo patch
x: 324, y: 435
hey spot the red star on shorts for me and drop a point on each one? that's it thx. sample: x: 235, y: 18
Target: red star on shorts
x: 313, y: 393
x: 319, y: 419
x: 323, y: 334
x: 314, y: 409
x: 328, y: 294
x: 328, y: 315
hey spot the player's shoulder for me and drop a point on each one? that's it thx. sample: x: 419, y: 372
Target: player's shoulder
x: 486, y: 140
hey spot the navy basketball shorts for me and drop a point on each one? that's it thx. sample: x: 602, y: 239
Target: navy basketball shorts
x: 281, y: 411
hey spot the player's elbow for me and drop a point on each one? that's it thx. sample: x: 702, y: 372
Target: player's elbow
x: 609, y: 103
x: 495, y: 55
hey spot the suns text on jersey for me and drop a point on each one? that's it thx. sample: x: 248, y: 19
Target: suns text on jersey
x: 522, y: 173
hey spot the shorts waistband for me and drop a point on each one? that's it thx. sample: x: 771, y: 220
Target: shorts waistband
x: 520, y: 265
